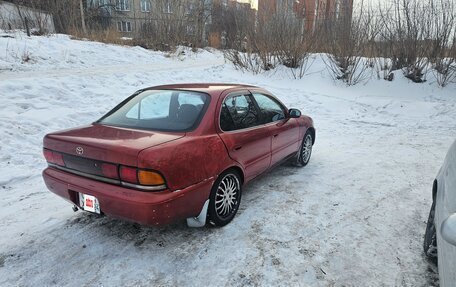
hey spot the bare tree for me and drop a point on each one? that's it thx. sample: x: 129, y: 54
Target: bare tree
x: 346, y: 41
x: 442, y: 50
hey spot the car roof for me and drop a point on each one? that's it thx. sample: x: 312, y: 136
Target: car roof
x: 203, y: 87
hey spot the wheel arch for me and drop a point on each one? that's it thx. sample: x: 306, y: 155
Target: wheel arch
x: 238, y: 170
x: 313, y: 133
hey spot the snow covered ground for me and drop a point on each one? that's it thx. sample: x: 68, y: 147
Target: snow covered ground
x: 355, y: 216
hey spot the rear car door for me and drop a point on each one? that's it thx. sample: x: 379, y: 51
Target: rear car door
x: 284, y: 131
x: 246, y: 138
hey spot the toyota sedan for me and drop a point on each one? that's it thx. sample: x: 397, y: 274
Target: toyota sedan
x: 175, y: 152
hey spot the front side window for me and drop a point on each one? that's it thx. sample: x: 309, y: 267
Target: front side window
x: 123, y: 5
x: 145, y: 5
x: 162, y: 110
x: 238, y: 112
x: 123, y: 26
x: 271, y: 110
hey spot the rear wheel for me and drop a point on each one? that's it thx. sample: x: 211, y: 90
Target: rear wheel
x: 225, y: 198
x: 305, y: 152
x: 430, y: 237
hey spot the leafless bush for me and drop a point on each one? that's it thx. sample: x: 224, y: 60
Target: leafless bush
x: 408, y: 37
x: 346, y: 39
x: 445, y: 71
x: 304, y: 63
x: 252, y: 46
x: 293, y: 44
x: 245, y: 61
x: 109, y: 35
x: 275, y: 39
x: 26, y: 57
x: 442, y: 52
x: 171, y: 23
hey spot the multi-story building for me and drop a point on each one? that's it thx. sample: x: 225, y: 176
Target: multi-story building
x: 318, y: 13
x: 313, y: 13
x: 229, y: 20
x: 205, y: 22
x: 154, y: 18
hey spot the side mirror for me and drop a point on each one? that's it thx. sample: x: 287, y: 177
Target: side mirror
x: 294, y: 113
x: 448, y: 229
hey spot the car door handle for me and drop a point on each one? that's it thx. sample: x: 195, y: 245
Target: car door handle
x: 237, y: 147
x: 276, y: 135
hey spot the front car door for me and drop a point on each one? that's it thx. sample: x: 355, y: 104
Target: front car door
x: 284, y: 130
x: 246, y: 138
x: 445, y: 212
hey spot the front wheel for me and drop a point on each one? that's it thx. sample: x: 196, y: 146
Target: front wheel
x: 304, y: 153
x: 430, y: 236
x: 225, y: 198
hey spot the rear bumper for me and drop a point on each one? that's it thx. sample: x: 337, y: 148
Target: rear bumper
x: 148, y: 208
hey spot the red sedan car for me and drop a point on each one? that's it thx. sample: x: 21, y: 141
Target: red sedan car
x: 176, y: 152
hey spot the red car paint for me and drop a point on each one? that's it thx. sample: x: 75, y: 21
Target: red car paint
x: 189, y: 161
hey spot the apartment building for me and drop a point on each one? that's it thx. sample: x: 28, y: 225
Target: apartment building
x: 140, y: 18
x: 318, y: 13
x: 206, y: 22
x: 226, y: 18
x: 313, y: 13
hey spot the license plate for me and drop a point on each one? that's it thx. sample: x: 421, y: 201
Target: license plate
x: 89, y: 203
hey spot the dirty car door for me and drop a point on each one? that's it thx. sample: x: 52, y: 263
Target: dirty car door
x: 246, y: 138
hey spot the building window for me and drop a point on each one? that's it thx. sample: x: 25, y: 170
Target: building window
x: 98, y: 3
x: 123, y: 5
x: 168, y: 7
x: 124, y: 26
x: 145, y: 5
x: 337, y: 9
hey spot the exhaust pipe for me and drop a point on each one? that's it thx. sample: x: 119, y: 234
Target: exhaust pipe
x: 75, y: 208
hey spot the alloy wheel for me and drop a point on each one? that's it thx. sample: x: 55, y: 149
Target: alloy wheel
x: 227, y: 196
x: 306, y: 149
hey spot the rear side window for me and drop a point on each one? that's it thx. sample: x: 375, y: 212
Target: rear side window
x: 238, y: 112
x: 162, y: 110
x: 271, y: 110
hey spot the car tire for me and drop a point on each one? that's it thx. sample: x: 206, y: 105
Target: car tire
x: 305, y: 151
x: 430, y: 237
x: 225, y: 198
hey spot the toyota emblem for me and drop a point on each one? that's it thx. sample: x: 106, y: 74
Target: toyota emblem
x: 79, y: 150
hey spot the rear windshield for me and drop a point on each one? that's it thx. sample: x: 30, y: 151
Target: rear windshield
x: 162, y: 110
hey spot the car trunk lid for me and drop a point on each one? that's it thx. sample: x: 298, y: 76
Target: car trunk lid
x: 105, y: 144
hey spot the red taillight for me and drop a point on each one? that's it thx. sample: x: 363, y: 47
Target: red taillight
x: 53, y: 157
x: 128, y: 174
x: 48, y: 155
x: 58, y: 158
x: 109, y: 170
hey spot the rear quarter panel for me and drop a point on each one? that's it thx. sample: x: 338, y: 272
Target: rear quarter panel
x: 186, y: 161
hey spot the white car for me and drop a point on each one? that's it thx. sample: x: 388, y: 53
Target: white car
x: 440, y: 237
